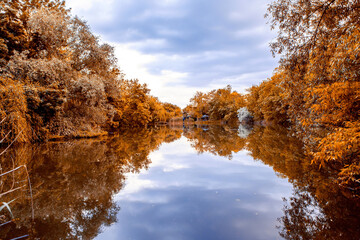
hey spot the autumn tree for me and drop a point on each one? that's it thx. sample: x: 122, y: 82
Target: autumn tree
x: 219, y: 104
x: 70, y: 81
x: 73, y: 183
x: 265, y: 102
x: 318, y: 42
x: 225, y: 103
x: 15, y: 36
x: 13, y: 110
x: 200, y: 104
x: 172, y: 110
x: 132, y: 108
x: 319, y: 46
x: 217, y: 140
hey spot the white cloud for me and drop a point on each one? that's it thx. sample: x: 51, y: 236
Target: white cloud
x: 251, y: 32
x: 178, y: 51
x: 167, y: 85
x: 158, y: 13
x: 100, y: 10
x: 168, y: 32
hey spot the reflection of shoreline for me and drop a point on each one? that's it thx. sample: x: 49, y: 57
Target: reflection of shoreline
x: 244, y: 130
x: 274, y: 146
x: 74, y: 182
x: 71, y: 178
x: 221, y: 140
x: 336, y: 216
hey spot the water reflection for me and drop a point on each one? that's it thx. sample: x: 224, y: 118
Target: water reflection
x: 79, y: 188
x: 186, y: 195
x: 318, y: 208
x: 307, y: 217
x: 74, y: 182
x: 218, y: 140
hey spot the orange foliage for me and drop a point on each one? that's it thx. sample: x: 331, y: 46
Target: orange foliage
x: 315, y: 191
x: 265, y: 102
x: 72, y: 178
x: 318, y: 87
x: 342, y: 148
x: 13, y: 108
x: 69, y: 84
x: 220, y: 104
x: 336, y: 103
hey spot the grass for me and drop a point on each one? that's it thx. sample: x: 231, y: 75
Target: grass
x: 6, y: 205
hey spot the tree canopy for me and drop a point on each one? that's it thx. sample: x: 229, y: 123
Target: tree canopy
x: 317, y: 85
x: 68, y: 82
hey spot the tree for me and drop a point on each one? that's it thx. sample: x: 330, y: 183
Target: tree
x: 319, y: 46
x: 319, y: 43
x: 70, y: 82
x: 14, y: 18
x: 265, y: 102
x: 219, y: 104
x: 217, y: 140
x: 133, y: 107
x: 13, y: 110
x: 200, y: 103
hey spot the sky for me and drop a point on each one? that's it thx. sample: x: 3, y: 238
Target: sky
x: 179, y: 47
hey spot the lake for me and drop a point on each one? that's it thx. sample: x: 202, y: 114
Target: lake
x: 185, y: 182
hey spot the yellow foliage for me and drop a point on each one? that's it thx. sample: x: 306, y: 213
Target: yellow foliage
x: 13, y: 109
x: 342, y: 146
x: 72, y: 177
x: 317, y: 88
x: 68, y: 82
x: 219, y: 104
x: 266, y: 101
x: 336, y: 103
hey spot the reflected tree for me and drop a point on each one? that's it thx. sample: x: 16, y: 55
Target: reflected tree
x: 273, y: 146
x: 307, y: 218
x: 218, y: 140
x: 74, y: 182
x: 319, y: 208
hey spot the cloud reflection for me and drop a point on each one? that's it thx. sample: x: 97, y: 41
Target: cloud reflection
x: 206, y: 197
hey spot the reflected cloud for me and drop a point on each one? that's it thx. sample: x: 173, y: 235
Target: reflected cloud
x: 74, y: 183
x: 134, y: 186
x: 200, y: 192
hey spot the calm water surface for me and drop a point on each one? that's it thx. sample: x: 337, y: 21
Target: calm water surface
x: 183, y: 183
x: 186, y: 195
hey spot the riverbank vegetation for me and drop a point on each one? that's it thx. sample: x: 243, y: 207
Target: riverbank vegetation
x: 57, y: 79
x: 316, y: 88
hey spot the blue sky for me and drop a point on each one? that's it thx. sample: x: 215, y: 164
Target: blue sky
x: 179, y: 47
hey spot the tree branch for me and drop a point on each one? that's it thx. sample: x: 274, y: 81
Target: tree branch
x: 318, y: 25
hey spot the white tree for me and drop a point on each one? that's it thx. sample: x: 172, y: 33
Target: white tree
x: 243, y: 114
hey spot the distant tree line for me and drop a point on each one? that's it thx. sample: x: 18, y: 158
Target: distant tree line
x: 219, y: 104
